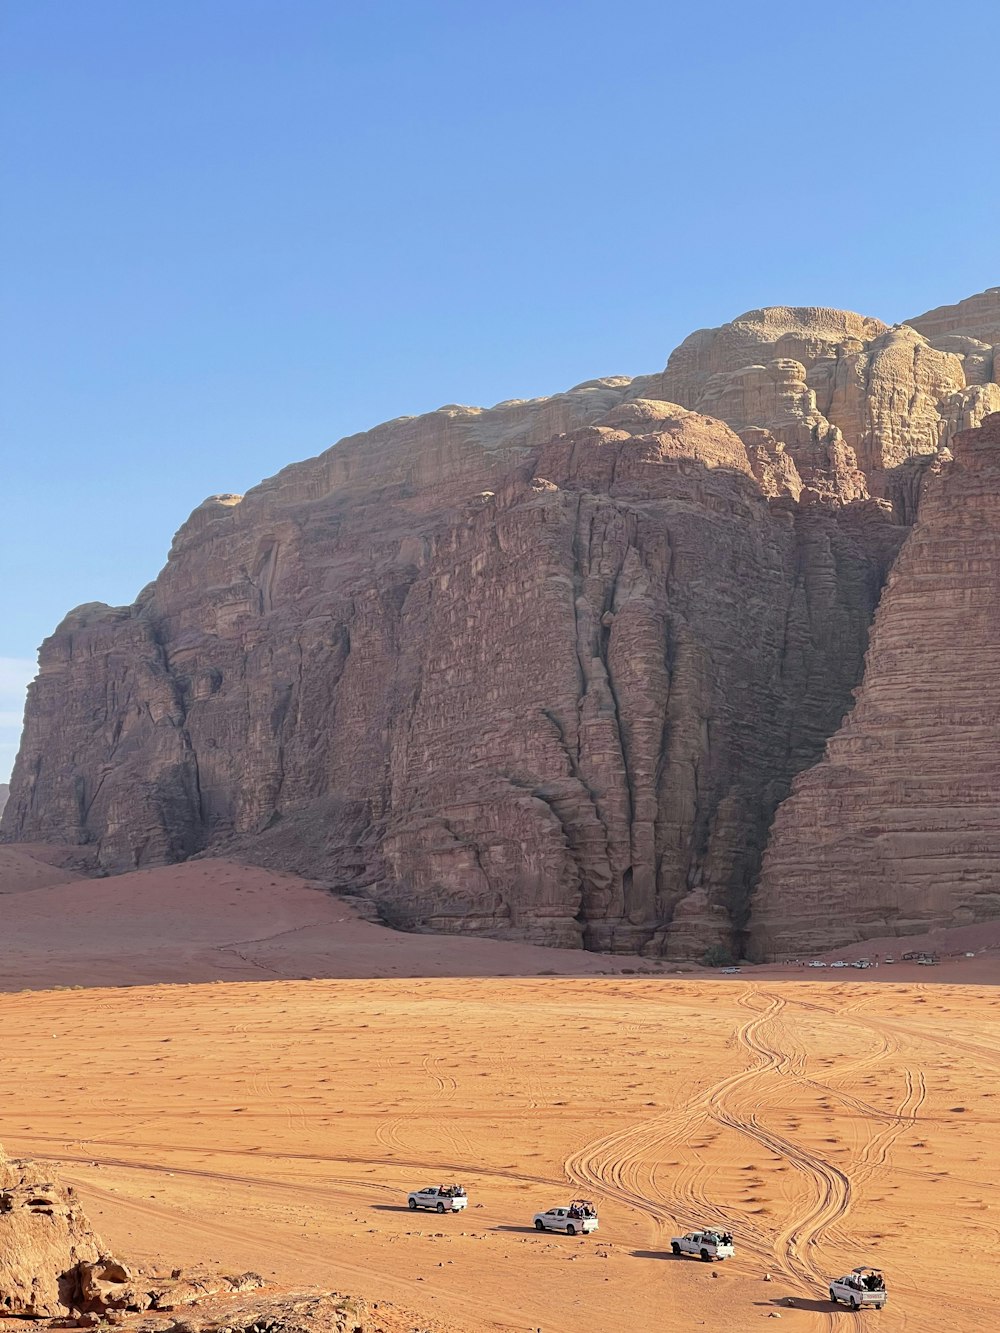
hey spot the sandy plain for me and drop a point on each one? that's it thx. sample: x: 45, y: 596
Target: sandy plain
x: 277, y: 1124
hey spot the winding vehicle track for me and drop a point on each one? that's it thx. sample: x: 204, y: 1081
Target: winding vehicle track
x: 623, y: 1165
x: 445, y: 1087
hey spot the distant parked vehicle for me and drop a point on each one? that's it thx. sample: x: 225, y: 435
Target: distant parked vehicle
x: 840, y: 963
x: 862, y: 962
x: 816, y: 963
x: 888, y: 959
x: 730, y: 971
x: 862, y: 1288
x: 440, y: 1198
x: 579, y: 1215
x: 708, y: 1245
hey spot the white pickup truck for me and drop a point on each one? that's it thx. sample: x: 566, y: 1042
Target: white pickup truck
x: 862, y: 1288
x: 708, y: 1245
x: 442, y: 1198
x: 578, y: 1216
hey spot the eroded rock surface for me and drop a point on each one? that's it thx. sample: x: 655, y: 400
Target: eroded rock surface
x: 897, y: 830
x: 842, y: 392
x: 544, y: 671
x: 292, y: 1312
x: 45, y: 1238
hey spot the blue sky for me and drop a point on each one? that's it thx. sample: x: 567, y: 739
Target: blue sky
x: 236, y: 230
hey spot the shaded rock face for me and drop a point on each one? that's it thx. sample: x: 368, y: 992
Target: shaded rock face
x: 543, y: 672
x: 897, y: 830
x: 45, y: 1238
x: 4, y: 793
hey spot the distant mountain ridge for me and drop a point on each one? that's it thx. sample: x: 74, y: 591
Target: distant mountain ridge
x: 549, y: 670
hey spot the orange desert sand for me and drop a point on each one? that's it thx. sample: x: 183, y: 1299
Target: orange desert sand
x: 276, y: 1124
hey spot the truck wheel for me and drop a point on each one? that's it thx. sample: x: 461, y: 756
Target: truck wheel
x: 411, y: 1204
x: 855, y: 1305
x: 833, y: 1296
x: 675, y: 1247
x: 539, y: 1224
x: 440, y: 1207
x: 706, y: 1256
x: 570, y: 1229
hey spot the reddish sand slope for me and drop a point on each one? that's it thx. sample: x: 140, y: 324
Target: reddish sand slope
x: 217, y: 920
x: 26, y: 867
x: 278, y: 1126
x: 220, y: 921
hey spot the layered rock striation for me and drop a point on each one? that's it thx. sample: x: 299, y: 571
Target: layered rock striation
x: 544, y: 671
x: 897, y: 830
x: 845, y: 394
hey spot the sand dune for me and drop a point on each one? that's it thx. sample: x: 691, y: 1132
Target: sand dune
x: 27, y: 867
x: 218, y: 920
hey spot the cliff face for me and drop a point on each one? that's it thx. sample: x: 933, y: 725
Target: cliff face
x: 898, y: 828
x: 544, y: 671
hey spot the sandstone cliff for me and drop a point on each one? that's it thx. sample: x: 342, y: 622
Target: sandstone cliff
x: 543, y: 671
x: 898, y: 829
x: 845, y: 393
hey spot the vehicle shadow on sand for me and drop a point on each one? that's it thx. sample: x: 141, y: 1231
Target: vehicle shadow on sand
x: 662, y: 1254
x: 392, y: 1208
x: 799, y: 1303
x: 531, y: 1231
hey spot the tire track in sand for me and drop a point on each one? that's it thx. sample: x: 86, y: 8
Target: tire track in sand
x: 623, y: 1165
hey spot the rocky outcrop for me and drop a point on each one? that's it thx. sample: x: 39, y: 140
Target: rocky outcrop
x: 544, y: 671
x: 45, y: 1239
x: 4, y: 793
x: 53, y: 1263
x: 977, y: 317
x: 293, y: 1312
x: 897, y: 830
x: 841, y: 392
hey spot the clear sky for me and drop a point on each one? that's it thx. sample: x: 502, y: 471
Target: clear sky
x: 233, y: 231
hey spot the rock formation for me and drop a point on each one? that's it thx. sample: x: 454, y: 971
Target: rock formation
x: 4, y: 793
x: 292, y: 1312
x: 840, y: 391
x: 897, y: 830
x: 544, y: 671
x: 53, y: 1266
x: 45, y: 1238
